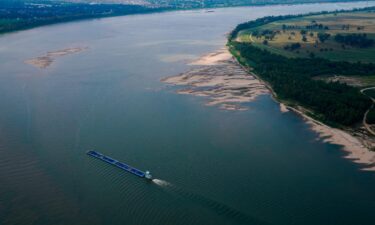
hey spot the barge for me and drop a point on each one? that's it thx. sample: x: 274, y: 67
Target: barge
x: 120, y: 165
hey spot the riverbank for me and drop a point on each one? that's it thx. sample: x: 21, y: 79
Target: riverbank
x: 36, y: 14
x: 357, y: 143
x: 19, y: 15
x: 227, y: 84
x: 336, y: 112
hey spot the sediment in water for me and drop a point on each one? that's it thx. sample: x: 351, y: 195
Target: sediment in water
x: 221, y: 79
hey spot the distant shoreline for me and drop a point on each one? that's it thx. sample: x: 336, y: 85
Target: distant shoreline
x: 148, y: 10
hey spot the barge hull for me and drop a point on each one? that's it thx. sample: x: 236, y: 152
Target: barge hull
x: 116, y: 163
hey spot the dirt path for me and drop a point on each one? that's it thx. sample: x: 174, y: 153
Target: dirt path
x: 251, y: 37
x: 365, y: 124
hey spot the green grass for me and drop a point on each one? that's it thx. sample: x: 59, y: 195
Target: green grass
x: 368, y: 80
x: 353, y: 80
x: 330, y: 49
x: 7, y: 21
x: 370, y: 92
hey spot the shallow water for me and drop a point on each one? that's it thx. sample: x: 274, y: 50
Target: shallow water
x: 212, y: 166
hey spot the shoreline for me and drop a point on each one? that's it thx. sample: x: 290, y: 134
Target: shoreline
x: 166, y: 10
x: 355, y: 148
x: 223, y: 65
x: 354, y: 143
x: 218, y: 77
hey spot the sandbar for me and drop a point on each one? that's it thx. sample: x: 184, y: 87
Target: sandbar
x: 46, y: 60
x: 221, y: 79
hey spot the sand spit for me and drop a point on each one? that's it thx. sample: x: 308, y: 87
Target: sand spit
x: 215, y: 58
x: 220, y: 78
x: 46, y: 60
x: 283, y: 108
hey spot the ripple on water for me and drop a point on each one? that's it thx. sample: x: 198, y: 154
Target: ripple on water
x: 215, y: 206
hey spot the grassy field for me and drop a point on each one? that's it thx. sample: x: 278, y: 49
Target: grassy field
x: 355, y: 81
x: 287, y: 32
x: 370, y: 92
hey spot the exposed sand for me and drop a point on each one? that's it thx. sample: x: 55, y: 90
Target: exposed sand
x: 220, y: 78
x: 46, y: 60
x: 215, y: 58
x: 283, y: 108
x: 40, y: 62
x: 357, y: 148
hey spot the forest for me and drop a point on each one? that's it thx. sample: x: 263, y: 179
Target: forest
x: 17, y: 15
x: 291, y: 78
x: 24, y: 14
x: 356, y: 40
x: 225, y: 3
x: 333, y: 103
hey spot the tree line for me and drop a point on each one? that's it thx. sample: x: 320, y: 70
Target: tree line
x: 334, y: 103
x: 291, y: 78
x: 270, y: 19
x: 356, y: 40
x: 16, y: 15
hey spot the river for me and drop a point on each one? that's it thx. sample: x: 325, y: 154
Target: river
x: 212, y: 166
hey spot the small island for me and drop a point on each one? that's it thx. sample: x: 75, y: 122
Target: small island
x: 46, y: 60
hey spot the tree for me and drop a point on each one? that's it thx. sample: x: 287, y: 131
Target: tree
x: 371, y: 116
x: 293, y: 46
x: 355, y: 40
x: 323, y: 36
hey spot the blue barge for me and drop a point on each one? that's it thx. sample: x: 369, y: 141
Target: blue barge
x: 120, y: 165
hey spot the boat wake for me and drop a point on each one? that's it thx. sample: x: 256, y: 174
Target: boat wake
x: 217, y: 207
x: 162, y: 183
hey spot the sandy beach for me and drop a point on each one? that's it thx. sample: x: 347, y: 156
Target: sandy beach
x: 46, y: 60
x: 356, y: 147
x: 221, y: 79
x: 357, y: 143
